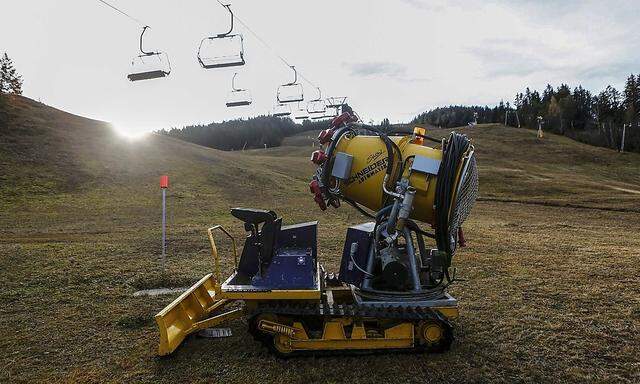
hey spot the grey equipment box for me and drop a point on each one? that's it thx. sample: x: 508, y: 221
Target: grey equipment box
x: 342, y: 166
x: 355, y: 253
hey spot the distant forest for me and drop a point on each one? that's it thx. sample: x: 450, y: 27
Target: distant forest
x: 578, y: 114
x: 255, y: 132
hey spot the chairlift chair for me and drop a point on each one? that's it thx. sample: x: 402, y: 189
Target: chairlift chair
x: 317, y: 106
x: 301, y: 113
x: 281, y: 110
x: 331, y: 113
x: 149, y: 65
x: 319, y: 117
x: 222, y: 50
x: 336, y: 102
x: 238, y: 97
x: 291, y: 92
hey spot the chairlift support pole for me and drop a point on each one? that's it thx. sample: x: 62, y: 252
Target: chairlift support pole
x: 295, y: 75
x: 228, y: 7
x: 144, y: 29
x: 233, y: 83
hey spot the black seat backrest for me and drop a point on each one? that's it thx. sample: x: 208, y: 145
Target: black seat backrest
x: 269, y: 234
x: 259, y: 245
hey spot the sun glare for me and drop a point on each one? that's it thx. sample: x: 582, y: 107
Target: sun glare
x: 129, y: 133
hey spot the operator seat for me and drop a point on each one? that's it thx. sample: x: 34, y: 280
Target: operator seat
x: 260, y: 243
x: 253, y: 216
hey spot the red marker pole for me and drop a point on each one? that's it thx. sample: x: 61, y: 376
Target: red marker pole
x: 164, y: 184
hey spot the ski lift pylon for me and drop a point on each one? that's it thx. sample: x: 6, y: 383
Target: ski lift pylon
x: 222, y: 50
x: 149, y: 65
x: 317, y: 106
x: 291, y: 92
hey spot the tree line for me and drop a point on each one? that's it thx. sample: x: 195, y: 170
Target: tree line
x: 238, y: 134
x: 459, y: 115
x: 598, y: 119
x: 595, y: 119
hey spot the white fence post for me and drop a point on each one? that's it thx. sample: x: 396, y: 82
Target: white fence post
x: 164, y: 184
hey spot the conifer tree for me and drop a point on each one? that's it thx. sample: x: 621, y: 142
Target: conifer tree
x: 632, y: 99
x: 10, y: 80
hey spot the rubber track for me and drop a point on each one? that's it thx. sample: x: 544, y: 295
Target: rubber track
x: 413, y: 314
x: 410, y: 313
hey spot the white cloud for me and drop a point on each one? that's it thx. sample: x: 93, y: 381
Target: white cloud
x: 376, y: 68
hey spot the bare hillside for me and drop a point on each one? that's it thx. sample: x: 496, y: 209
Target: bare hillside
x: 550, y: 291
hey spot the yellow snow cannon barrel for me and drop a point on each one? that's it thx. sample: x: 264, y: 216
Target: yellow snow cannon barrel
x: 354, y: 167
x: 369, y: 163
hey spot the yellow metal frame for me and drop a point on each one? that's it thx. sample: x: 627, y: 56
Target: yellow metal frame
x: 274, y: 294
x: 295, y: 338
x: 450, y: 313
x: 214, y: 251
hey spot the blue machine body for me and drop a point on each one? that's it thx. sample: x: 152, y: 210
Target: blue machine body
x: 294, y: 261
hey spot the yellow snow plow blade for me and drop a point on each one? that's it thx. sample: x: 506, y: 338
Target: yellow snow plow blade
x: 191, y: 312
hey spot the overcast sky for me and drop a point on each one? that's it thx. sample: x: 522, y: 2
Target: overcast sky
x: 391, y: 58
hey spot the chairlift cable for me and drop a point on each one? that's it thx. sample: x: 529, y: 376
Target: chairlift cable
x: 123, y: 13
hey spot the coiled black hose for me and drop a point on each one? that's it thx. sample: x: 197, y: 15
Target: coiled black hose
x: 455, y: 148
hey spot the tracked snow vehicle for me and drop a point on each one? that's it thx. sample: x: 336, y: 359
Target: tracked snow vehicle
x: 390, y: 292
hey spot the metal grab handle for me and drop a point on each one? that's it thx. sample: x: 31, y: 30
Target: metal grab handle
x: 214, y: 250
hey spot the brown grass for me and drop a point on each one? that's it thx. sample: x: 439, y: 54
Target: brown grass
x: 551, y: 292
